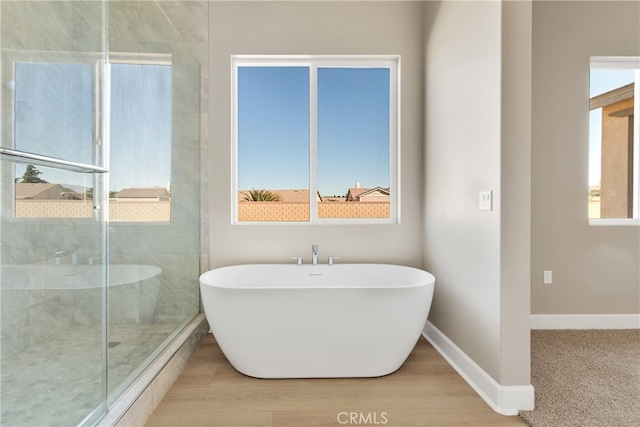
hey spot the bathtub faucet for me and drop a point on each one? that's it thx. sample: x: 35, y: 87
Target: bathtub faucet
x: 314, y: 254
x: 57, y: 255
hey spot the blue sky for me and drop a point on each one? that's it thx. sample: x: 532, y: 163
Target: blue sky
x: 54, y: 110
x: 601, y: 81
x: 54, y: 117
x: 353, y: 129
x: 273, y: 128
x: 141, y: 131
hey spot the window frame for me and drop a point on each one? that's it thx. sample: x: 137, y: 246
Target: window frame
x: 629, y: 63
x: 313, y: 62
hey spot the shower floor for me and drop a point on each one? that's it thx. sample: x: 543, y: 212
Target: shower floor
x: 60, y: 382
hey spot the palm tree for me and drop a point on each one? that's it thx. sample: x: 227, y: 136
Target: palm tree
x: 261, y: 196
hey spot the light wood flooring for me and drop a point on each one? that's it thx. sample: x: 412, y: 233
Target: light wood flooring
x: 426, y: 391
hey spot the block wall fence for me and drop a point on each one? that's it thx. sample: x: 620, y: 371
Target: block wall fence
x: 287, y: 212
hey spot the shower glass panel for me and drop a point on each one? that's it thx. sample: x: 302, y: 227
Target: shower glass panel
x: 88, y: 298
x: 54, y: 109
x: 53, y: 241
x: 140, y: 161
x: 155, y: 152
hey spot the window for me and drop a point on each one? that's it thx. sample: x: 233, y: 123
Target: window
x: 56, y: 115
x: 140, y: 142
x: 53, y: 116
x: 315, y: 139
x: 54, y: 110
x: 614, y: 147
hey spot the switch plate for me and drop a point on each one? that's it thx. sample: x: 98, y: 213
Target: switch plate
x: 486, y: 201
x: 547, y: 277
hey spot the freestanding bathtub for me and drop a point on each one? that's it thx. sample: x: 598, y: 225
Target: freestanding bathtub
x: 316, y: 321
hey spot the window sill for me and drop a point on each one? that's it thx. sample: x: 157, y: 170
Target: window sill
x: 614, y: 221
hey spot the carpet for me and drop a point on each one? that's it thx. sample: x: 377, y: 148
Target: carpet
x: 585, y: 378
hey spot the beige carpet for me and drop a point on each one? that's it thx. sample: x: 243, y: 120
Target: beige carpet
x: 585, y: 378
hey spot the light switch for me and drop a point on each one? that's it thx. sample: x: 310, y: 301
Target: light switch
x: 486, y: 201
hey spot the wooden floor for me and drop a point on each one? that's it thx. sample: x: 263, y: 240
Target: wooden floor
x: 424, y: 392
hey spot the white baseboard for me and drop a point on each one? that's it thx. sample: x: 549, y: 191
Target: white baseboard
x: 585, y: 321
x: 506, y: 400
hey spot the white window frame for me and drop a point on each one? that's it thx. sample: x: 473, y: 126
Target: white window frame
x: 392, y: 62
x: 625, y: 62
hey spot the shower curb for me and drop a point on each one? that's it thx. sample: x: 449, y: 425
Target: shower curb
x: 137, y: 404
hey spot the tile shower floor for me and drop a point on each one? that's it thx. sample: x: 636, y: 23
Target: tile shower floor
x: 60, y: 382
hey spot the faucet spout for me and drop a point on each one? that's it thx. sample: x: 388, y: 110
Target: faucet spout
x: 314, y: 254
x: 57, y: 255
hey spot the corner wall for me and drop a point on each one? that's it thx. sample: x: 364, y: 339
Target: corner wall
x: 596, y: 269
x: 478, y: 61
x: 462, y: 244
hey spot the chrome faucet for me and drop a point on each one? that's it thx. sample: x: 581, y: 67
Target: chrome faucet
x: 314, y: 254
x: 57, y: 255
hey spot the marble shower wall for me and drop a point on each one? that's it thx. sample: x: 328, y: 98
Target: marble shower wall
x: 179, y: 246
x: 191, y: 20
x: 144, y: 27
x: 41, y: 32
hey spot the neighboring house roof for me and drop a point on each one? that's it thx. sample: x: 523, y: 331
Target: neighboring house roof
x: 357, y: 194
x: 159, y: 193
x: 45, y: 191
x: 611, y: 97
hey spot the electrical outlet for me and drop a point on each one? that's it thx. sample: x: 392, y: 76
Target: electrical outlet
x: 548, y: 277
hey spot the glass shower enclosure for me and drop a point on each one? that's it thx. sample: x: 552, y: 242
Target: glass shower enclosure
x: 99, y: 202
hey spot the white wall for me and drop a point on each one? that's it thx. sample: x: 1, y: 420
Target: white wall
x: 316, y: 28
x: 477, y: 138
x: 596, y: 270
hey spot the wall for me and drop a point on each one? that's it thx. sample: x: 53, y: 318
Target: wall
x: 616, y: 191
x: 118, y: 211
x: 282, y: 211
x: 316, y: 28
x: 595, y: 268
x: 477, y: 138
x: 143, y: 27
x: 190, y: 18
x: 68, y: 27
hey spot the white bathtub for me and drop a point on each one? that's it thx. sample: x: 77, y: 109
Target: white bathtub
x: 316, y: 321
x: 69, y: 276
x: 47, y: 298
